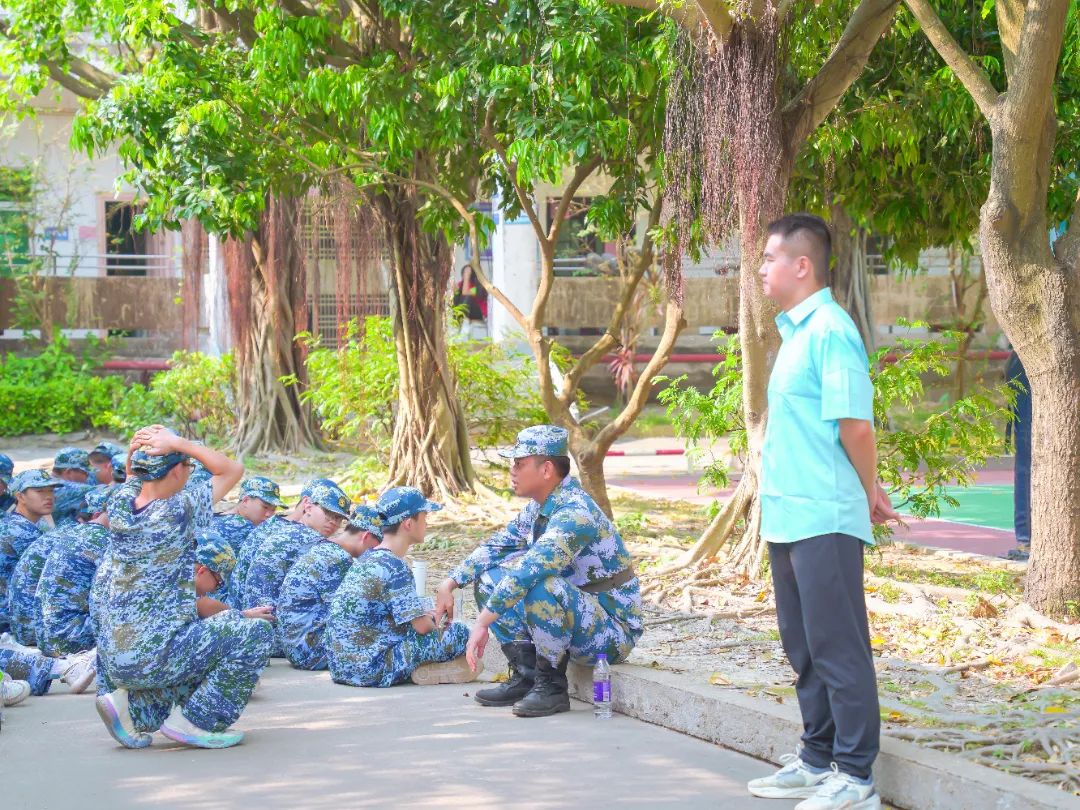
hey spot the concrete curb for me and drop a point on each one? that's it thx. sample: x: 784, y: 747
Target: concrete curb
x: 907, y: 775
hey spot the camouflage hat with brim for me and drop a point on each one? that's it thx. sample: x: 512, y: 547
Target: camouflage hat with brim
x: 401, y: 503
x: 539, y: 440
x: 104, y: 451
x: 119, y: 465
x: 33, y: 479
x: 72, y: 458
x: 262, y: 488
x: 7, y: 467
x: 329, y: 496
x: 152, y: 468
x: 367, y: 519
x: 213, y: 551
x: 94, y: 501
x: 309, y: 487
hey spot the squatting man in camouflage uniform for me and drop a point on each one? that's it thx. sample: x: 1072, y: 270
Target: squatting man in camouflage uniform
x: 160, y: 666
x: 556, y: 583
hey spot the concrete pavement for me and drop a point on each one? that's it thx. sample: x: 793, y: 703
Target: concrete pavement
x: 313, y: 744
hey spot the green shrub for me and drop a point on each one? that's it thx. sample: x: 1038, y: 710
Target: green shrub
x: 54, y: 391
x: 195, y: 397
x: 354, y: 389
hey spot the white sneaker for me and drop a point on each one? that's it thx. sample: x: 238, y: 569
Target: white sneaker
x: 841, y: 791
x: 179, y: 728
x: 81, y: 671
x: 13, y: 692
x: 454, y: 671
x: 793, y: 781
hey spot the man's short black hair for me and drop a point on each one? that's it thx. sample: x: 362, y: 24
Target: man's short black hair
x: 816, y: 236
x: 561, y: 464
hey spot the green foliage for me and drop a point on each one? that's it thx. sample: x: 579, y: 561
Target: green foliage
x: 54, y: 391
x: 915, y: 462
x: 194, y: 397
x: 353, y: 389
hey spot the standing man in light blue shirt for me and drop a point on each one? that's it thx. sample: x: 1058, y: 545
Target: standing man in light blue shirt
x: 819, y: 495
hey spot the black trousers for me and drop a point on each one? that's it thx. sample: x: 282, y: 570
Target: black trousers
x: 821, y: 610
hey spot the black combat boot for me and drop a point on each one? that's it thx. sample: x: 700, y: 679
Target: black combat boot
x: 521, y: 656
x: 549, y: 694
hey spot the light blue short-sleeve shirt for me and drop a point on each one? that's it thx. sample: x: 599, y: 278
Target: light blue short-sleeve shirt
x: 821, y: 375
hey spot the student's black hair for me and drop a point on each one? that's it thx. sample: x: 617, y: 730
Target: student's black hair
x: 388, y: 529
x: 816, y: 232
x: 561, y: 464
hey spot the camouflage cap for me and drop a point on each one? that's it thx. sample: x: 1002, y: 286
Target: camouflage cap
x: 94, y: 500
x: 214, y: 552
x: 401, y: 503
x: 105, y: 450
x: 199, y: 471
x: 367, y: 519
x: 328, y: 495
x: 72, y: 458
x: 262, y: 488
x: 119, y: 466
x: 314, y: 482
x: 151, y: 468
x: 7, y: 467
x: 539, y: 440
x: 33, y: 479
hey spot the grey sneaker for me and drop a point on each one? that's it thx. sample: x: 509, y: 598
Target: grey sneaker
x: 841, y: 791
x: 793, y: 781
x: 13, y: 692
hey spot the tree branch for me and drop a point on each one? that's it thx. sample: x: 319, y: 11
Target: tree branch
x: 610, y: 338
x: 1029, y: 96
x: 819, y: 97
x: 972, y: 76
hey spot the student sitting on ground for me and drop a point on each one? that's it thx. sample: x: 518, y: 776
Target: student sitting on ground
x: 260, y: 498
x: 304, y: 602
x: 101, y: 459
x: 255, y: 538
x: 26, y: 593
x: 380, y: 632
x: 64, y: 587
x: 7, y: 500
x: 214, y: 562
x: 160, y: 667
x: 71, y: 467
x: 34, y: 493
x: 320, y: 515
x: 39, y: 671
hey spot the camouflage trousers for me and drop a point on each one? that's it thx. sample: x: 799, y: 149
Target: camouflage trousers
x: 33, y: 668
x: 398, y: 662
x: 309, y: 652
x: 559, y: 618
x: 209, y: 669
x: 66, y: 632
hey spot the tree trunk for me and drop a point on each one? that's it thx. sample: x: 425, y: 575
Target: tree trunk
x: 850, y: 284
x: 268, y: 306
x: 590, y: 462
x: 1036, y: 298
x: 430, y: 445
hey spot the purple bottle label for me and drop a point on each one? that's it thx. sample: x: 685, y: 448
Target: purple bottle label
x: 601, y: 691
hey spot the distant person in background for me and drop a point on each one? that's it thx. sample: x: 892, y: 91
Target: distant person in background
x: 71, y: 468
x: 1021, y: 436
x: 101, y: 459
x: 7, y: 500
x: 474, y: 298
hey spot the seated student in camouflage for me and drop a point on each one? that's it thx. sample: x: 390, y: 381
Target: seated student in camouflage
x: 557, y: 583
x: 321, y: 514
x: 24, y: 602
x: 7, y: 500
x: 64, y: 587
x: 39, y: 671
x: 380, y: 632
x: 159, y: 666
x: 214, y: 562
x: 119, y: 468
x: 101, y: 459
x: 260, y: 498
x: 304, y: 603
x: 72, y: 467
x: 34, y: 500
x: 254, y: 540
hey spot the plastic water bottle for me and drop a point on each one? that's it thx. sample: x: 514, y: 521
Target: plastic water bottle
x: 602, y: 688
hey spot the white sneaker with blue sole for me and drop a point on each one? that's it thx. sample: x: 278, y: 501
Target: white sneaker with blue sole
x: 841, y: 791
x: 795, y: 780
